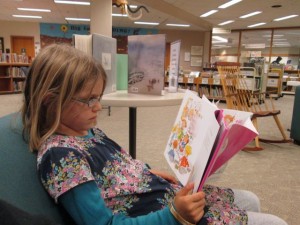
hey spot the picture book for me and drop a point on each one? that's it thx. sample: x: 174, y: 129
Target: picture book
x: 146, y: 63
x: 205, y: 137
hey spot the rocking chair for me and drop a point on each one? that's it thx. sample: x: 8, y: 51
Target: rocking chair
x: 238, y: 96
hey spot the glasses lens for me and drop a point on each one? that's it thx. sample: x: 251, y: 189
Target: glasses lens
x: 93, y: 102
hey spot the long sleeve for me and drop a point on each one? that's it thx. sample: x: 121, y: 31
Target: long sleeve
x: 86, y: 206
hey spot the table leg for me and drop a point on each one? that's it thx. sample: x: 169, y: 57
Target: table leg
x: 132, y: 131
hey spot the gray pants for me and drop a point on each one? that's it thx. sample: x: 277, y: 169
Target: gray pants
x: 250, y: 202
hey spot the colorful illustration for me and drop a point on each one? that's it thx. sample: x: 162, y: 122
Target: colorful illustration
x: 182, y: 136
x: 205, y: 137
x: 146, y: 58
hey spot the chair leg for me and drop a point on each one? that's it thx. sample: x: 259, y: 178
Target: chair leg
x: 280, y: 127
x: 257, y: 147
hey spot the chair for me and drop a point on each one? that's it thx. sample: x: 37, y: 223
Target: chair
x: 20, y: 185
x: 238, y: 96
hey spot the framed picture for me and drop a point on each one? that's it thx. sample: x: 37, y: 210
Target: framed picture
x: 196, y: 50
x: 1, y: 44
x: 196, y: 61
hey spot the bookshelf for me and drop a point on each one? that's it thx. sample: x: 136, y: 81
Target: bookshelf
x: 274, y: 82
x: 12, y: 77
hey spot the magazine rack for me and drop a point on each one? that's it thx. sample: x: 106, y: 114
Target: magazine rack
x: 239, y: 97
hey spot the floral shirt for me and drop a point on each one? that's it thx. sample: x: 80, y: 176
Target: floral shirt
x: 127, y: 186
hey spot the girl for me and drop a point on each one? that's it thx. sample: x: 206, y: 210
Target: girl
x: 94, y: 179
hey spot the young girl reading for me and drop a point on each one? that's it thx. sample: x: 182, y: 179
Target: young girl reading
x: 89, y: 174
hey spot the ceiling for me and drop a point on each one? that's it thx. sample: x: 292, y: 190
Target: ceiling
x: 169, y: 11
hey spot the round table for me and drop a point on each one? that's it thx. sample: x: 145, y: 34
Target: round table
x: 132, y: 101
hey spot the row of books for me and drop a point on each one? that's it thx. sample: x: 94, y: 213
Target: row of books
x: 16, y: 71
x: 18, y: 85
x: 13, y: 58
x: 211, y: 92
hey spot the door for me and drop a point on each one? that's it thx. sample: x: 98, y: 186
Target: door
x: 19, y: 44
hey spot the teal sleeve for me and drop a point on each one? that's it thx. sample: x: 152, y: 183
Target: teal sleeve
x: 86, y: 206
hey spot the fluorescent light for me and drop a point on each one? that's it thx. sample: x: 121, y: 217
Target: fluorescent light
x: 226, y: 22
x: 275, y: 35
x: 34, y: 10
x: 220, y: 39
x: 178, y: 25
x: 281, y: 39
x: 281, y: 43
x: 119, y: 14
x: 209, y: 13
x: 217, y: 30
x: 232, y: 2
x: 72, y: 2
x: 250, y: 14
x: 146, y: 23
x: 77, y: 19
x: 286, y: 17
x: 258, y: 45
x: 27, y: 16
x: 257, y: 24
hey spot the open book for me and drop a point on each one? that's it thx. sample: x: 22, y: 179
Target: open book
x: 204, y: 137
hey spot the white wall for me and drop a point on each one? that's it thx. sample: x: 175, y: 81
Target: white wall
x: 8, y: 29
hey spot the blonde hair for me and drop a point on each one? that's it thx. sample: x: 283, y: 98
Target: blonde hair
x: 55, y: 76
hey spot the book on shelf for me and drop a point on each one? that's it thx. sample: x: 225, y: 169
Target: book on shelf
x: 146, y: 63
x: 204, y: 137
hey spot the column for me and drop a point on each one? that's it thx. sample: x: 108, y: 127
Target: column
x: 101, y: 19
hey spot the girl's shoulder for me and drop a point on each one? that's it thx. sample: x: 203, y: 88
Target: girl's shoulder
x: 57, y: 141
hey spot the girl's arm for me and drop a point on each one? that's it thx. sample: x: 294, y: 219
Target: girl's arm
x: 86, y: 206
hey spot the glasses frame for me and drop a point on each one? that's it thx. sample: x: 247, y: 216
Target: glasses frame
x: 89, y: 102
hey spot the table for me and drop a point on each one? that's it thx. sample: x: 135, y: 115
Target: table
x: 132, y: 101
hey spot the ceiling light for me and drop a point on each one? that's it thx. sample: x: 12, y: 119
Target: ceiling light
x: 258, y: 45
x: 27, y: 16
x: 146, y: 23
x: 34, y: 10
x: 286, y: 17
x: 72, y: 2
x: 209, y: 13
x: 257, y: 24
x: 220, y: 39
x: 275, y: 35
x: 77, y: 19
x: 226, y: 22
x: 217, y: 30
x: 119, y: 14
x: 178, y: 25
x: 282, y: 39
x: 250, y: 14
x: 281, y: 43
x: 232, y: 2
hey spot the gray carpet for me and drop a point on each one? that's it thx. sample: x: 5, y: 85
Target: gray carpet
x: 273, y: 174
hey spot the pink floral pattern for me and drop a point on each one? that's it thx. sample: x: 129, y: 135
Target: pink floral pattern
x: 126, y: 185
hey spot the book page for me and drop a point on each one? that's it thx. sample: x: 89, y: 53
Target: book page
x: 192, y: 138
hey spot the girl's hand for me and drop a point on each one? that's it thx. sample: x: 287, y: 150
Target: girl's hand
x: 165, y: 175
x: 190, y: 206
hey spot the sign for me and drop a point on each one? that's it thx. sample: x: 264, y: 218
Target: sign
x: 174, y: 65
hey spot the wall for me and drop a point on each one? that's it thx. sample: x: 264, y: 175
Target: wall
x: 188, y: 39
x: 8, y: 29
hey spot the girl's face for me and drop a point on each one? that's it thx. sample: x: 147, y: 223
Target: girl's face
x: 79, y: 116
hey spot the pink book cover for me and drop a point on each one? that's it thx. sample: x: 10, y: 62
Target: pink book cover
x: 235, y: 133
x: 204, y: 137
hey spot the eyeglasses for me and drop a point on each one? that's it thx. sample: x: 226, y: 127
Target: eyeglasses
x: 90, y: 102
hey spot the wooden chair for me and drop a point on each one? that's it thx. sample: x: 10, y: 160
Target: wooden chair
x: 238, y: 96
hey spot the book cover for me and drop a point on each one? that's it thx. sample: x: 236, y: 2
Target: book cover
x: 146, y: 63
x: 204, y: 137
x: 104, y: 50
